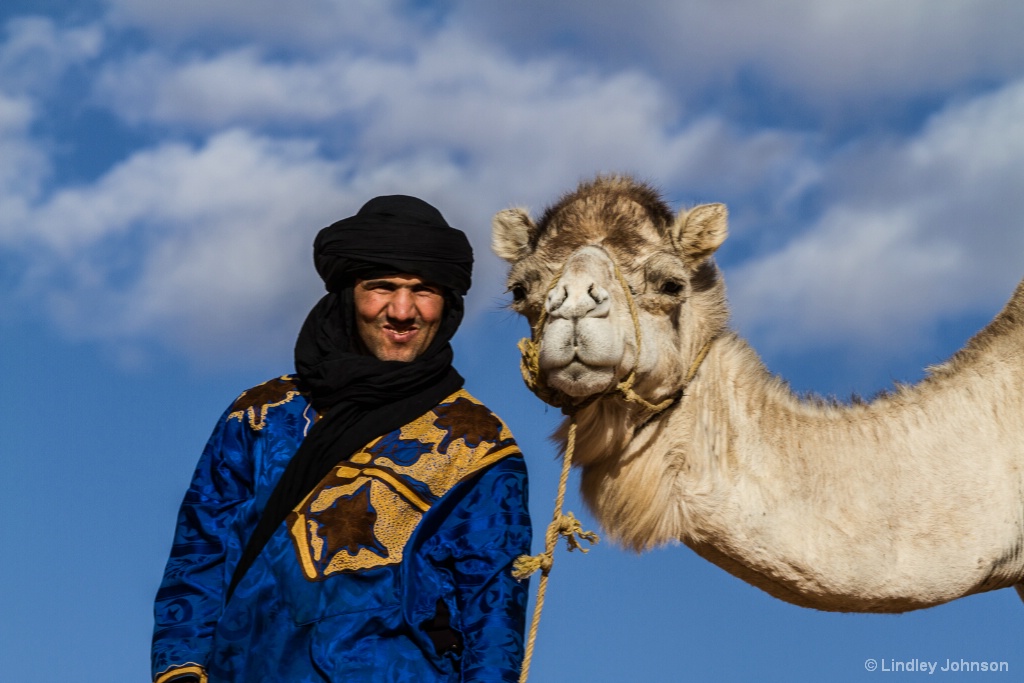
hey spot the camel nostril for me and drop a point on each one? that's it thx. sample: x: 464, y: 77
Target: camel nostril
x: 598, y: 294
x: 556, y: 298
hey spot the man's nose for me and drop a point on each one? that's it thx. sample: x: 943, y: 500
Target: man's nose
x: 402, y: 305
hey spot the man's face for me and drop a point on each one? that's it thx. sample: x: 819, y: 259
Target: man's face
x: 397, y: 316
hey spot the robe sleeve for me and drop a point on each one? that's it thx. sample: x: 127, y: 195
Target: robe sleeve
x: 190, y: 598
x: 484, y: 534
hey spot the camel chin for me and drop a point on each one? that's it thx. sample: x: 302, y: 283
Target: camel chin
x: 579, y: 380
x: 581, y: 356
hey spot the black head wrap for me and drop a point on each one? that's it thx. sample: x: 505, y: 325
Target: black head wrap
x: 394, y: 234
x: 358, y: 396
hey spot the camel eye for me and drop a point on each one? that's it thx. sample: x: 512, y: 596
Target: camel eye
x: 518, y: 292
x: 671, y: 287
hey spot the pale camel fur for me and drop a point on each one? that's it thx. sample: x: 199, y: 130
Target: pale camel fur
x: 908, y: 501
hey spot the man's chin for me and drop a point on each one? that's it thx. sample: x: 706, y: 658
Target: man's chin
x: 403, y: 355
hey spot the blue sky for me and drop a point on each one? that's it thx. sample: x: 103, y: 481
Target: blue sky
x: 164, y: 167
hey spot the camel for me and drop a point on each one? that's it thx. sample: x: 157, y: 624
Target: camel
x: 910, y: 500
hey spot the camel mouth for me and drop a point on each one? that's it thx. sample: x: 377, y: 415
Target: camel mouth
x: 578, y: 379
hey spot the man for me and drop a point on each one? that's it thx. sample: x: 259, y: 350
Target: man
x: 356, y: 521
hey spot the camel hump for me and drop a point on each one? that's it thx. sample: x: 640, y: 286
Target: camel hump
x: 1009, y: 321
x: 1015, y: 309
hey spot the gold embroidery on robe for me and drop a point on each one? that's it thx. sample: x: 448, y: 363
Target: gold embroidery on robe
x: 366, y: 510
x: 255, y: 402
x: 186, y: 669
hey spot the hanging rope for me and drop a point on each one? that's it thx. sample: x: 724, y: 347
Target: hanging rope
x: 566, y: 525
x: 561, y: 525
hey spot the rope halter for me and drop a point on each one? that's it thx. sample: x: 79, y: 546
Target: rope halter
x: 529, y: 364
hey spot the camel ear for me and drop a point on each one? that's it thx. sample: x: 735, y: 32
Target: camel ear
x: 511, y: 232
x: 697, y: 233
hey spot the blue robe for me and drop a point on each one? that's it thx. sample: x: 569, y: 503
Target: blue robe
x: 348, y: 586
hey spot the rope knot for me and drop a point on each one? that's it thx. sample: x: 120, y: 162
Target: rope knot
x: 565, y: 525
x: 569, y: 527
x: 525, y: 565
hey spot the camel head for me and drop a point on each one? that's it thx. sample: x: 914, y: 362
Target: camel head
x: 604, y: 255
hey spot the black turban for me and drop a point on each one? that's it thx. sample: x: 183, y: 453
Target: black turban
x: 358, y: 396
x: 394, y: 234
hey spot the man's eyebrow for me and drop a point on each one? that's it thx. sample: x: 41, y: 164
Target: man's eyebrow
x: 378, y: 283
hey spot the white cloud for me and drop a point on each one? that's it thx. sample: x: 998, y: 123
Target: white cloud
x: 35, y: 52
x: 24, y: 164
x: 34, y: 55
x: 192, y: 245
x: 544, y: 122
x: 930, y: 230
x: 829, y: 53
x: 233, y: 87
x: 309, y: 26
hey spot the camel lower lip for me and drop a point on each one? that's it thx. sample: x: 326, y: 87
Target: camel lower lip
x: 576, y: 369
x: 579, y: 379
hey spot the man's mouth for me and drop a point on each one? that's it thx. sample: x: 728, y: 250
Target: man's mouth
x: 400, y: 336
